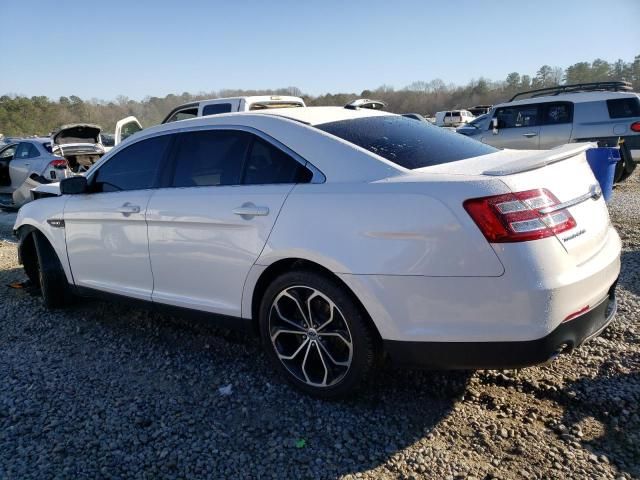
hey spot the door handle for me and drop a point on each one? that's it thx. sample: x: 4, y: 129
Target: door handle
x: 128, y: 209
x: 249, y: 210
x: 530, y: 134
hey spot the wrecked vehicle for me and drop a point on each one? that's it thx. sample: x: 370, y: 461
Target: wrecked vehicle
x: 81, y: 143
x: 25, y: 165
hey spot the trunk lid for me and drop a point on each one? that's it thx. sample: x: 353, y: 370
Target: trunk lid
x: 76, y: 133
x: 565, y: 173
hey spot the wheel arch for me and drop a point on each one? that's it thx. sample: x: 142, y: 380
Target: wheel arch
x: 288, y: 264
x: 27, y: 251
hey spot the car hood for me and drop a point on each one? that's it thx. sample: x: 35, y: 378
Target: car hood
x: 76, y: 133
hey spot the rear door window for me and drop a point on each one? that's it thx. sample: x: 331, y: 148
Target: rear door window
x: 556, y: 113
x: 405, y: 142
x: 210, y: 158
x: 267, y: 164
x: 26, y: 150
x: 624, y: 107
x: 216, y: 108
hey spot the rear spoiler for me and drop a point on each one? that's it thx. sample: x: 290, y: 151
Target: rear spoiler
x: 540, y: 159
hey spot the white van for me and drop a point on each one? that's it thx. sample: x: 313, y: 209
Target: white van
x: 453, y: 118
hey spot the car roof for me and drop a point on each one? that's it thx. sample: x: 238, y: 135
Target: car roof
x: 252, y: 98
x: 578, y: 97
x: 320, y: 115
x: 41, y: 140
x: 307, y: 115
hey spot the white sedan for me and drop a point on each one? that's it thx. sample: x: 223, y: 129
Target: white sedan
x: 339, y: 236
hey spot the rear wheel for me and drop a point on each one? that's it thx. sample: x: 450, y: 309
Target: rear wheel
x: 51, y: 277
x: 316, y: 334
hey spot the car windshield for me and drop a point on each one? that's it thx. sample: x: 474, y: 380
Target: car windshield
x: 406, y: 142
x: 476, y: 121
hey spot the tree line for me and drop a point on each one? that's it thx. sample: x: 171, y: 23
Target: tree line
x: 20, y: 115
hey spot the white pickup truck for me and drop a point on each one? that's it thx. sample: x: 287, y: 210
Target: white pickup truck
x: 199, y: 108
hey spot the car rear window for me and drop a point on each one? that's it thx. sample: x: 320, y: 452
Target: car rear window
x: 216, y: 108
x: 624, y: 107
x: 47, y: 147
x: 406, y: 142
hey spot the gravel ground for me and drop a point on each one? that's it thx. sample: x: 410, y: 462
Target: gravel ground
x: 102, y: 390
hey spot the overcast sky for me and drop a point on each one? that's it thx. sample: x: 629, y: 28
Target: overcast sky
x: 144, y: 47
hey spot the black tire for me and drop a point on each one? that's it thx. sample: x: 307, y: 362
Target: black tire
x: 51, y: 277
x: 324, y: 346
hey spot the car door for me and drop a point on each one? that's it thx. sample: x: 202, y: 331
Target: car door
x: 6, y: 156
x: 518, y: 127
x: 125, y: 128
x: 556, y: 124
x: 210, y: 224
x: 22, y: 164
x: 105, y: 229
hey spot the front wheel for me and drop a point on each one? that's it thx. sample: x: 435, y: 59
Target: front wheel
x: 51, y: 277
x: 316, y: 334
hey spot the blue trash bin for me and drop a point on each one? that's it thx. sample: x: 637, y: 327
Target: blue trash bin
x: 602, y: 161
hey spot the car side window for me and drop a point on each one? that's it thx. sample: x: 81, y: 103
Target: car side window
x: 8, y: 152
x: 267, y: 164
x: 517, y: 116
x: 26, y: 150
x: 216, y: 108
x: 134, y: 168
x: 557, y: 113
x: 184, y: 114
x: 129, y: 129
x: 210, y: 158
x: 624, y: 107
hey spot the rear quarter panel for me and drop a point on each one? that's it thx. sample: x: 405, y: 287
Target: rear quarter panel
x: 591, y: 121
x: 387, y: 227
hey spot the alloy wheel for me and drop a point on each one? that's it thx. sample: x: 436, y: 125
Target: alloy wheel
x: 310, y: 336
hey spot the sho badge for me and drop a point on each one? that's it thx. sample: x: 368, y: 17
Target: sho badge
x: 574, y: 235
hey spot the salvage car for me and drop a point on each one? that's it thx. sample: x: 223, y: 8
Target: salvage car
x: 339, y: 236
x: 81, y: 144
x: 25, y: 165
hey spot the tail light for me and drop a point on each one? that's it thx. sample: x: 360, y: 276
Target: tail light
x: 635, y: 126
x: 58, y: 163
x: 515, y: 217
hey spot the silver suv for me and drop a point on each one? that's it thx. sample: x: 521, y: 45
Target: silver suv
x: 604, y: 112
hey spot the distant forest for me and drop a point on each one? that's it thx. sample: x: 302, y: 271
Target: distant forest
x: 20, y: 115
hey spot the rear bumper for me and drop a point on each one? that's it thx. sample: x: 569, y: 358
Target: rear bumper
x: 505, y: 355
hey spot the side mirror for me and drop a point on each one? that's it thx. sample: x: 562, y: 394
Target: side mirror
x: 494, y: 125
x: 74, y: 185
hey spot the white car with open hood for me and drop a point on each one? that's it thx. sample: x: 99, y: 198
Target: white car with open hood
x: 339, y: 235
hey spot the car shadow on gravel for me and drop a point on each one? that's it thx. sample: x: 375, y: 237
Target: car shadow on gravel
x: 605, y: 410
x: 630, y: 278
x: 103, y: 387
